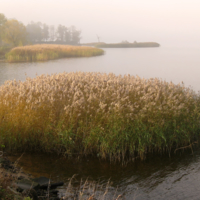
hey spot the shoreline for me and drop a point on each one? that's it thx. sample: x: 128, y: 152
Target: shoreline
x: 9, y: 175
x: 19, y: 185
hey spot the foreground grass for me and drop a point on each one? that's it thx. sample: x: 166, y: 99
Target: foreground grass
x: 48, y: 52
x: 88, y: 190
x: 100, y: 114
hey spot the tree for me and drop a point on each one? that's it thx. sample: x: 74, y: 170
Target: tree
x: 14, y: 32
x: 2, y: 19
x: 34, y: 32
x: 2, y: 22
x: 67, y: 36
x: 52, y: 33
x: 75, y: 35
x: 61, y: 33
x: 45, y: 32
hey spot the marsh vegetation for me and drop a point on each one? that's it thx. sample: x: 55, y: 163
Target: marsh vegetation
x: 97, y: 114
x: 48, y: 52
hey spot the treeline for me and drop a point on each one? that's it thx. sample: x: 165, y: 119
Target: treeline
x: 42, y: 33
x: 15, y: 33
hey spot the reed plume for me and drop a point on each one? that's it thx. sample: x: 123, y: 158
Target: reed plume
x: 100, y: 114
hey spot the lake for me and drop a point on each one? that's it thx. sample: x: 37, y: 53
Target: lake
x: 167, y: 63
x: 158, y: 177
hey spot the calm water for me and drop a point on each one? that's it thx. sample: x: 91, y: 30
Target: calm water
x: 170, y: 64
x: 156, y: 178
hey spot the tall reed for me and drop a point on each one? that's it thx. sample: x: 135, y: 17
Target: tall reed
x: 100, y: 114
x: 42, y: 52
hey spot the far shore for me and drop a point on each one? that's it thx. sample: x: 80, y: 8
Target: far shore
x: 124, y: 44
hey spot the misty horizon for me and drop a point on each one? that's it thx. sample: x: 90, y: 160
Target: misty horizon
x: 169, y: 23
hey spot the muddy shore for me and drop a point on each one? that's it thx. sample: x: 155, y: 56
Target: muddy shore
x: 16, y: 184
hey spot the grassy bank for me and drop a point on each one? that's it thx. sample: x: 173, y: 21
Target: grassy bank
x: 127, y: 45
x: 100, y: 114
x: 48, y: 52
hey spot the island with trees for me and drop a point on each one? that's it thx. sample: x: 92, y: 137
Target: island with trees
x: 40, y: 42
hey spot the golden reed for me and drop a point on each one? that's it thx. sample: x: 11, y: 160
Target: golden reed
x: 100, y: 114
x: 43, y: 52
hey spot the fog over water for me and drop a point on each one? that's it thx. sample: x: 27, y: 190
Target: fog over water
x: 170, y: 23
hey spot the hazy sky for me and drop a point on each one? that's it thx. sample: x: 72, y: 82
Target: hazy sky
x: 168, y: 22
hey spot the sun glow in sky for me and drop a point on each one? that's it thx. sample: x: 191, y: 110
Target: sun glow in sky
x: 168, y: 22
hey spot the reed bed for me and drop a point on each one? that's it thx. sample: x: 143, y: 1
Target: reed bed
x: 43, y: 52
x: 97, y: 114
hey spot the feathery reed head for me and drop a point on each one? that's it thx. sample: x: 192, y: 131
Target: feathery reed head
x: 95, y: 113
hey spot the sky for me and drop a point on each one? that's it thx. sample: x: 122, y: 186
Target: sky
x: 168, y: 22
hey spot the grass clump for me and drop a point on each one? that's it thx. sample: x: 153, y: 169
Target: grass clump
x: 100, y: 114
x: 43, y: 52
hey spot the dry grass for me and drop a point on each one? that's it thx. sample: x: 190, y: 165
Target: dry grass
x: 43, y: 52
x: 90, y: 190
x: 100, y: 114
